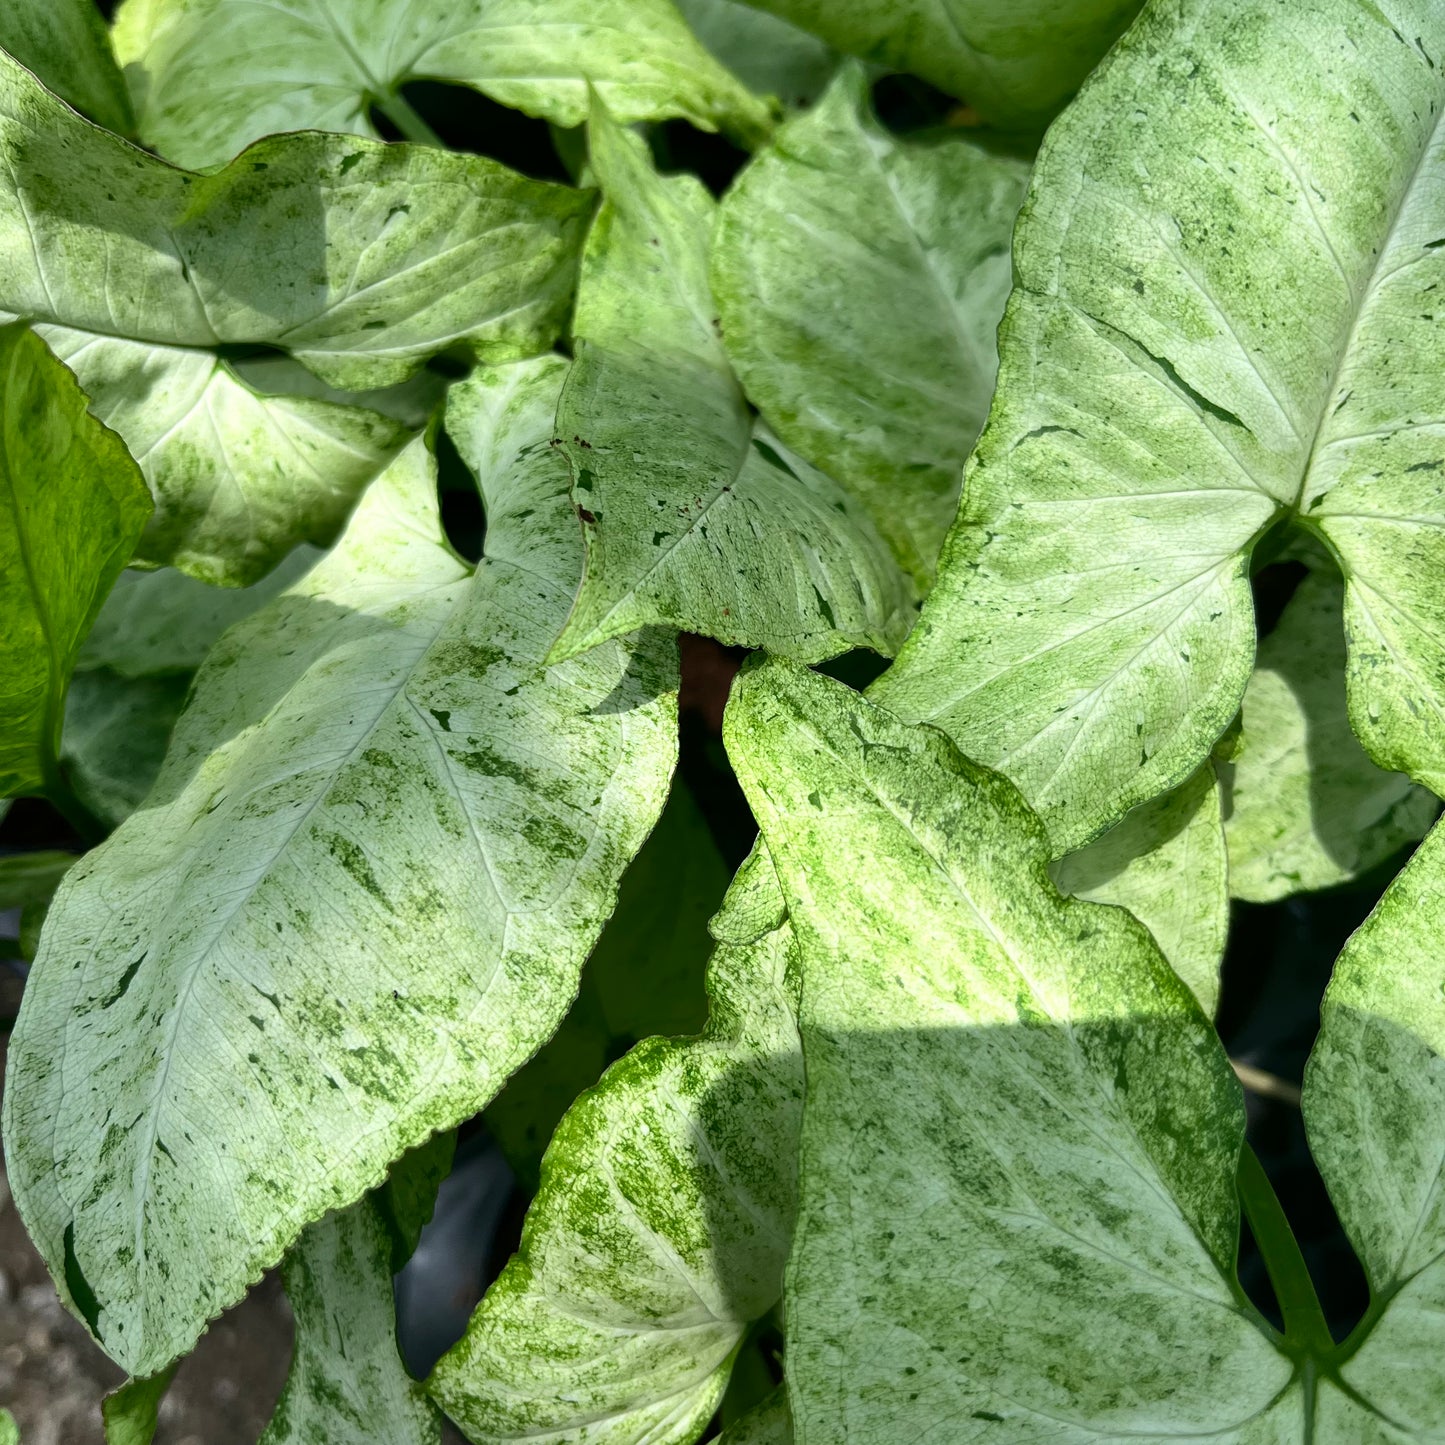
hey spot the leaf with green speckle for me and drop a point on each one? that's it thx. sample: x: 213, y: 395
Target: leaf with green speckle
x: 73, y: 505
x: 1374, y: 1108
x: 860, y: 280
x: 1166, y: 863
x: 662, y: 1224
x: 644, y: 977
x: 384, y: 840
x: 210, y: 76
x: 154, y: 623
x: 9, y: 1430
x: 140, y: 272
x: 66, y: 43
x: 1015, y: 62
x: 1305, y: 807
x: 1160, y: 407
x: 239, y: 477
x: 347, y: 1382
x: 693, y: 516
x: 1017, y: 1213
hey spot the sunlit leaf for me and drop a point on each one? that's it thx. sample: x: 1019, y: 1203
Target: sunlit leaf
x: 860, y: 280
x: 384, y: 840
x: 661, y: 1226
x: 71, y: 506
x: 210, y: 76
x: 693, y: 516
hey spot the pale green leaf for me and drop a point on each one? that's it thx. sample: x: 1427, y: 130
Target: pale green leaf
x: 116, y: 731
x: 71, y: 506
x: 661, y: 1226
x: 385, y: 839
x: 1166, y: 863
x: 9, y: 1430
x: 210, y: 76
x: 383, y: 255
x: 1014, y: 61
x: 770, y: 1423
x: 27, y: 879
x: 165, y: 622
x: 693, y: 517
x: 1017, y: 1217
x: 770, y: 55
x: 1304, y: 806
x: 644, y: 977
x: 1160, y: 404
x: 347, y: 1382
x: 239, y: 477
x: 1374, y: 1104
x: 860, y: 280
x: 66, y: 43
x: 131, y: 1413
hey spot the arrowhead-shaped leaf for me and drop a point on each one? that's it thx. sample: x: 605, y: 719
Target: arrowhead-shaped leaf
x: 860, y: 280
x: 693, y: 516
x: 1014, y: 61
x: 71, y: 506
x: 662, y: 1223
x: 210, y: 76
x: 1159, y: 407
x: 1305, y: 807
x: 385, y: 255
x: 1017, y: 1217
x: 385, y: 839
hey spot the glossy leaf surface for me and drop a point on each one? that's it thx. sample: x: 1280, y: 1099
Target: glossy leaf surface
x: 71, y: 506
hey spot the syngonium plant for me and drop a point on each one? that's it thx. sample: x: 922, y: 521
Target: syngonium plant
x: 356, y: 840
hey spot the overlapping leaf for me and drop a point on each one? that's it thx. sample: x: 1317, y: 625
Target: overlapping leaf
x: 1167, y: 392
x: 860, y: 280
x: 772, y: 56
x: 347, y: 1381
x: 1014, y: 61
x: 66, y: 43
x: 1374, y: 1107
x: 385, y: 839
x: 1167, y: 863
x: 644, y: 977
x: 662, y: 1224
x: 1305, y: 807
x: 71, y: 506
x: 694, y: 517
x: 380, y: 257
x: 210, y: 76
x: 1018, y: 1124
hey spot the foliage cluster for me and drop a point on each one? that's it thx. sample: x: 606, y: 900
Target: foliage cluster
x: 946, y: 1147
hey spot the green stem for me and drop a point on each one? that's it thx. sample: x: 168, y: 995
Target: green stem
x: 413, y: 128
x: 1304, y: 1320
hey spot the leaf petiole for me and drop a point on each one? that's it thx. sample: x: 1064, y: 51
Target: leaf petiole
x: 398, y: 110
x: 1304, y: 1321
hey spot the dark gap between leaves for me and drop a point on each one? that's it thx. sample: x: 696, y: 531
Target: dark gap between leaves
x: 1273, y: 586
x: 468, y: 121
x: 463, y: 518
x: 678, y: 146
